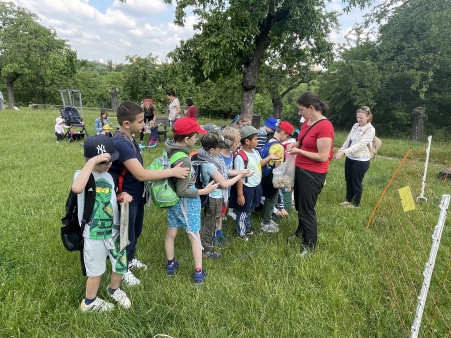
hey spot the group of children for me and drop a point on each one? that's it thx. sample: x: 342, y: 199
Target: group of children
x: 231, y: 174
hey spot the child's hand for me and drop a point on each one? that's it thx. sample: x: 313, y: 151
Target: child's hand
x: 274, y: 157
x: 160, y: 124
x: 282, y: 213
x: 125, y: 198
x: 180, y: 172
x: 240, y: 200
x: 247, y: 173
x: 211, y: 186
x: 102, y: 158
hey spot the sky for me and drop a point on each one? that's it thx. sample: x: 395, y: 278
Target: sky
x: 110, y: 29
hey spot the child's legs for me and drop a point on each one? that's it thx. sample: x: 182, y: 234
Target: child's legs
x: 268, y: 207
x: 152, y: 141
x: 135, y: 225
x: 197, y: 249
x: 92, y: 286
x: 212, y: 215
x: 171, y: 233
x: 95, y: 253
x: 115, y: 280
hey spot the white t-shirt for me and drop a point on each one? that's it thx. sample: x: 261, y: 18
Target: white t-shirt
x: 173, y: 109
x: 253, y: 165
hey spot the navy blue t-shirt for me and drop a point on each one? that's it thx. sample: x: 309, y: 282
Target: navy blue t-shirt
x: 128, y: 149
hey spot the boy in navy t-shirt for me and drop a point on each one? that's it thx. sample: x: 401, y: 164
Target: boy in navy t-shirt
x: 130, y: 117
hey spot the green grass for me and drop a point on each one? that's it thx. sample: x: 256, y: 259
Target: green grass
x: 350, y: 288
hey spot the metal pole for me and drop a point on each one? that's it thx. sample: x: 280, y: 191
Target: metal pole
x: 427, y: 273
x: 425, y: 170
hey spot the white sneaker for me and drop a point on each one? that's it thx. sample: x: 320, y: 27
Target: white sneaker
x: 231, y: 214
x: 130, y: 279
x: 345, y: 203
x: 274, y: 224
x: 99, y: 305
x: 269, y: 228
x: 120, y: 297
x: 136, y: 264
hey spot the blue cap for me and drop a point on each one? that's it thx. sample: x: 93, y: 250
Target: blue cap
x: 271, y: 122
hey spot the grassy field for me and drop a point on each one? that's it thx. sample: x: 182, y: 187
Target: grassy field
x: 257, y: 289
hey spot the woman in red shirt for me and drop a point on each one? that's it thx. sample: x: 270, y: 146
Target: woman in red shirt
x: 192, y: 109
x: 314, y: 151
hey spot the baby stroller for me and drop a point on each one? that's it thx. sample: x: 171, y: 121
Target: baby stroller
x: 76, y: 128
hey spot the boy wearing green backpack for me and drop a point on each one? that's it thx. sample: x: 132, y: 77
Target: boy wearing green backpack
x: 186, y: 212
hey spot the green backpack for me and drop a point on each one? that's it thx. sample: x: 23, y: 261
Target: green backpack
x: 163, y: 191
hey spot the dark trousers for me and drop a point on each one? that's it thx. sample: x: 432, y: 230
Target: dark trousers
x: 307, y: 187
x: 59, y: 137
x: 135, y: 226
x: 212, y: 215
x: 354, y: 173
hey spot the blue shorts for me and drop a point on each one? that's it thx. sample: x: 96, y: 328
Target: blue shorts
x: 191, y: 223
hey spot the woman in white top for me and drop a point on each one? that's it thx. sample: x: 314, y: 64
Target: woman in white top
x: 356, y: 149
x: 174, y: 106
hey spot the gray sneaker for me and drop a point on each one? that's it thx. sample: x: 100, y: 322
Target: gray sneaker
x: 269, y: 228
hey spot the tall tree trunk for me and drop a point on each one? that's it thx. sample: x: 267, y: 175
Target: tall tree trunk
x: 277, y: 107
x: 114, y: 101
x: 419, y: 117
x: 10, y: 79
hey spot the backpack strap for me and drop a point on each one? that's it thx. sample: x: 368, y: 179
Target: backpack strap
x: 243, y: 155
x: 302, y: 139
x: 177, y: 156
x: 90, y: 198
x: 120, y: 180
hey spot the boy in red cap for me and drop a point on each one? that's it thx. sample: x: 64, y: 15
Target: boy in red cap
x: 274, y: 146
x: 186, y: 213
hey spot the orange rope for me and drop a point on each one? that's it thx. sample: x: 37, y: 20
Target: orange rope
x: 387, y: 186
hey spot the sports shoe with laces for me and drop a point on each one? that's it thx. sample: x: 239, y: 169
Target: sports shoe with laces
x: 170, y: 268
x: 99, y: 305
x: 199, y: 276
x: 211, y: 254
x: 130, y: 279
x: 120, y: 297
x: 231, y: 214
x: 245, y: 238
x: 136, y: 264
x: 269, y: 228
x: 345, y: 203
x: 274, y: 224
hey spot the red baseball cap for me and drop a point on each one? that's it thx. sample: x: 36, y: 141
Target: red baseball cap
x: 286, y: 127
x: 187, y: 125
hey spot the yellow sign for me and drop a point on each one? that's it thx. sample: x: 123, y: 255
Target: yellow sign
x: 406, y: 199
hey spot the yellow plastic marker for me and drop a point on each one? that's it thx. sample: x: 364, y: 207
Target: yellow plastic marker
x: 406, y: 199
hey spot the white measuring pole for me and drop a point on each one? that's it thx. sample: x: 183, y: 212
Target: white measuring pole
x: 428, y: 150
x: 427, y: 273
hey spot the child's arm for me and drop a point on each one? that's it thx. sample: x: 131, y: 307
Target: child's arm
x: 82, y: 179
x: 239, y: 192
x: 141, y: 174
x: 231, y: 181
x: 269, y: 158
x: 208, y: 189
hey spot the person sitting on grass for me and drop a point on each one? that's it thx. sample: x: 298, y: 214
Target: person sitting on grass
x: 130, y: 116
x: 101, y: 237
x: 153, y: 131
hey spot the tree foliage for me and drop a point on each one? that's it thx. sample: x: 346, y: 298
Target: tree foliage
x: 29, y: 50
x: 409, y: 65
x: 236, y: 35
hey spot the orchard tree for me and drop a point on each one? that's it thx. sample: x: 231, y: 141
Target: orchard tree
x: 29, y: 49
x: 236, y: 35
x: 141, y: 77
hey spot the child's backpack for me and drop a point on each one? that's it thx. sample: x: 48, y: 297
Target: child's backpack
x: 71, y: 231
x: 374, y: 146
x: 163, y: 191
x: 264, y: 153
x: 243, y: 155
x: 196, y: 161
